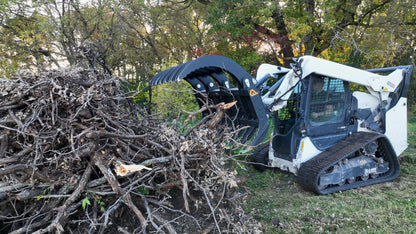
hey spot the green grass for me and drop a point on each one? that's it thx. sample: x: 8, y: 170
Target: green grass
x: 277, y: 202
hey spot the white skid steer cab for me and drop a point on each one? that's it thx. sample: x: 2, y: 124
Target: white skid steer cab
x: 334, y: 126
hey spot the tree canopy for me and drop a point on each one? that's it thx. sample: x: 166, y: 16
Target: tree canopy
x: 137, y: 39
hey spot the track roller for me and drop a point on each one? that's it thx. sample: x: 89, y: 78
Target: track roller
x: 362, y: 159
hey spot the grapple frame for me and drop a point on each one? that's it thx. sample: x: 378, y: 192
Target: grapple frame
x: 223, y: 80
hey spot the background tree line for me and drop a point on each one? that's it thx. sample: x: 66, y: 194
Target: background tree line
x: 138, y: 38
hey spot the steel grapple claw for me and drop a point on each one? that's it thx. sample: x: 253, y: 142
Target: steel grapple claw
x: 220, y: 79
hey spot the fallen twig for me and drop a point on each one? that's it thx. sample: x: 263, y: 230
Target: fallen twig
x: 116, y: 188
x: 57, y: 223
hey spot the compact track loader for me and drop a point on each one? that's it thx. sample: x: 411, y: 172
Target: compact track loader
x: 336, y: 127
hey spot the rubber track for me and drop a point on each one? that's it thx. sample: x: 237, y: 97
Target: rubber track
x: 310, y: 171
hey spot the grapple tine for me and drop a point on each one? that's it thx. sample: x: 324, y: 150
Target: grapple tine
x: 223, y: 80
x: 167, y: 76
x: 248, y: 134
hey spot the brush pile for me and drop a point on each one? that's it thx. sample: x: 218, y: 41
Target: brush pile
x: 78, y: 156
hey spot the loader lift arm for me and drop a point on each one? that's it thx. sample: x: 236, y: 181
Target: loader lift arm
x: 223, y: 80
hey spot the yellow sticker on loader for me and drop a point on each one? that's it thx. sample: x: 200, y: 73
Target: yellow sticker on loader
x: 253, y: 92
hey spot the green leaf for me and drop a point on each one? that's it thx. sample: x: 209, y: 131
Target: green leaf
x: 143, y: 190
x: 85, y: 202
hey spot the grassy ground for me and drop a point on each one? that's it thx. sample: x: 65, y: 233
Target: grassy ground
x: 281, y: 206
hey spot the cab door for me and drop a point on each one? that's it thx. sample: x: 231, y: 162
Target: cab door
x: 287, y: 125
x: 328, y: 111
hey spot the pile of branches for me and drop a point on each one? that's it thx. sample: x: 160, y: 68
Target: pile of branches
x: 77, y: 155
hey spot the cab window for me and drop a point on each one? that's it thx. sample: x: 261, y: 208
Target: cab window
x: 287, y: 116
x: 327, y: 100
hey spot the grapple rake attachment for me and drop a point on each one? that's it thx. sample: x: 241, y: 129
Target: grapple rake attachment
x: 220, y: 79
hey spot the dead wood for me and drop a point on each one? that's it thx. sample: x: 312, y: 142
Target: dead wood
x: 77, y: 155
x: 115, y: 185
x: 221, y: 108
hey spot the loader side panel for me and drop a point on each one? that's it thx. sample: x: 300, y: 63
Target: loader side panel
x: 396, y: 128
